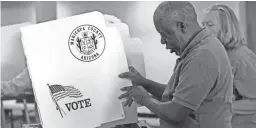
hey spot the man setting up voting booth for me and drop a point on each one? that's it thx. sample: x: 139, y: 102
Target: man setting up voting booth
x: 199, y: 93
x: 88, y: 72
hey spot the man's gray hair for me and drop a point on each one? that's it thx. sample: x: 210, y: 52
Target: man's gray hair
x: 182, y: 11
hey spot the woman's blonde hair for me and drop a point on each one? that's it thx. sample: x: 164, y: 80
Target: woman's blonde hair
x: 230, y: 35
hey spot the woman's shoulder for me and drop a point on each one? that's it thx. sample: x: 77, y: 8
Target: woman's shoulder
x: 242, y: 55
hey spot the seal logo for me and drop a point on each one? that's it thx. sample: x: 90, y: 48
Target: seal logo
x: 86, y: 43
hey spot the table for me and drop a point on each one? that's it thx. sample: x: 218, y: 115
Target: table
x: 9, y: 103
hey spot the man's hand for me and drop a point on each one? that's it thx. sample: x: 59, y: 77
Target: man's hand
x: 134, y: 76
x: 136, y: 79
x: 138, y: 94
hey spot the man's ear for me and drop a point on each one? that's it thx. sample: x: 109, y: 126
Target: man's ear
x: 182, y: 27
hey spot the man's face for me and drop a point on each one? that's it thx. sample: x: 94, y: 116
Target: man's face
x: 211, y: 22
x: 170, y: 37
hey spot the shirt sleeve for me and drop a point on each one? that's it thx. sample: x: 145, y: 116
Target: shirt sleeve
x: 195, y: 83
x: 8, y: 88
x: 245, y: 78
x: 17, y: 85
x: 23, y: 79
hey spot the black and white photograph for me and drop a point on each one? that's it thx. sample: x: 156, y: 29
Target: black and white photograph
x: 128, y: 64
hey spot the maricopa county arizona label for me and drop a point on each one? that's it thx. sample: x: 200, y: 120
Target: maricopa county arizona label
x: 86, y: 43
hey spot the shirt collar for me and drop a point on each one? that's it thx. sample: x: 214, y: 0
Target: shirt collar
x: 195, y: 42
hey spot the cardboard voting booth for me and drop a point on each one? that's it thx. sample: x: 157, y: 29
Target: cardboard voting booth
x: 12, y: 53
x: 74, y: 64
x: 135, y: 58
x: 132, y: 46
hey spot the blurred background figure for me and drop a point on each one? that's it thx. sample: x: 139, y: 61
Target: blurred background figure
x: 18, y: 85
x: 222, y: 22
x: 20, y: 88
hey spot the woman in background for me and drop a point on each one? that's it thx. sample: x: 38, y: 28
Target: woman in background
x: 221, y: 21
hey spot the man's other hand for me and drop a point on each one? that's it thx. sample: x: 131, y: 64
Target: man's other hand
x: 138, y: 94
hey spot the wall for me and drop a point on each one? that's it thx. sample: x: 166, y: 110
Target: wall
x: 45, y: 11
x: 251, y: 22
x: 16, y: 12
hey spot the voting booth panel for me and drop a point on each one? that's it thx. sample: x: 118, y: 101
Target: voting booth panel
x: 12, y: 53
x: 74, y: 63
x: 134, y: 55
x: 133, y: 47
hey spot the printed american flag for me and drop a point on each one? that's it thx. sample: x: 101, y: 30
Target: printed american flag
x: 59, y: 92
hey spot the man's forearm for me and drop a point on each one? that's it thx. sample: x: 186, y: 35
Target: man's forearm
x: 156, y: 107
x: 154, y: 88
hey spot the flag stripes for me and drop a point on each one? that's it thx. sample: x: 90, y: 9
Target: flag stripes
x: 60, y: 92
